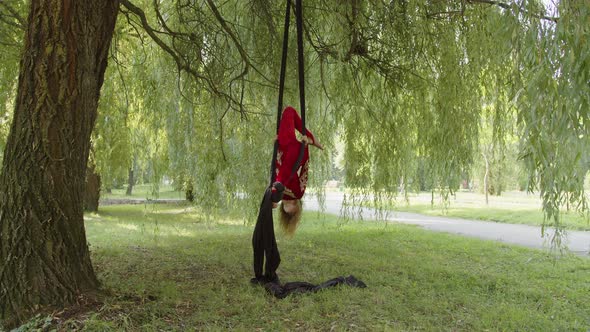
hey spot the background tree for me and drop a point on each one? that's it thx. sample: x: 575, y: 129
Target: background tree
x: 553, y: 108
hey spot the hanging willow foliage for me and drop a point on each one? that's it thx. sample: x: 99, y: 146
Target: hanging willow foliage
x: 402, y: 84
x: 553, y: 107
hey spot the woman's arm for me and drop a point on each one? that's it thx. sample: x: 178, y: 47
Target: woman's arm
x: 298, y: 124
x: 290, y: 121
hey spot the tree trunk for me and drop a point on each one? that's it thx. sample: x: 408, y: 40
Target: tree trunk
x: 44, y: 256
x: 358, y: 46
x: 130, y: 182
x: 92, y: 191
x: 486, y: 189
x: 189, y: 192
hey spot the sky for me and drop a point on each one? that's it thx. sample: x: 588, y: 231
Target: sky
x: 551, y: 6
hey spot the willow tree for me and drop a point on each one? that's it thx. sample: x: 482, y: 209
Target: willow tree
x: 403, y: 83
x: 554, y: 118
x: 43, y: 250
x: 399, y: 81
x: 128, y: 140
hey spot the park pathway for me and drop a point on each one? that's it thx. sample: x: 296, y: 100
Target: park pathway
x: 530, y: 236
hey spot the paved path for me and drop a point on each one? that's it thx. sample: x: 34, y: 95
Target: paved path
x: 529, y: 236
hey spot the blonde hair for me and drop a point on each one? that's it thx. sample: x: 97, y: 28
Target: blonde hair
x: 289, y: 222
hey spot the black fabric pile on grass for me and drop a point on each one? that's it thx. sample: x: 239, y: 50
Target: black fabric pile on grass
x: 265, y: 247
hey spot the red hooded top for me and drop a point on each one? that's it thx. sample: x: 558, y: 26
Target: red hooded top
x: 287, y: 155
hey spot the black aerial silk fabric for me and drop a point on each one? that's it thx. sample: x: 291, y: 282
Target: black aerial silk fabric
x: 264, y: 242
x: 297, y: 287
x: 265, y: 248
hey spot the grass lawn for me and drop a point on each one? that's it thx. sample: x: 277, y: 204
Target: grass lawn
x: 168, y: 269
x: 511, y: 207
x: 144, y: 191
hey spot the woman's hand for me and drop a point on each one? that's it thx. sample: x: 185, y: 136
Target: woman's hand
x: 318, y: 145
x: 306, y: 140
x: 309, y: 141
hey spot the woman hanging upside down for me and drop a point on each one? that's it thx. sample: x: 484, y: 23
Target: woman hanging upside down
x: 293, y: 181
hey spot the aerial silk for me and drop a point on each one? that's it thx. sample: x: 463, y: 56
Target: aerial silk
x: 264, y: 244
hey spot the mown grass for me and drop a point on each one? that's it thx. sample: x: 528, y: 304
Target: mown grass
x: 511, y: 208
x: 568, y: 220
x: 145, y: 191
x: 167, y: 268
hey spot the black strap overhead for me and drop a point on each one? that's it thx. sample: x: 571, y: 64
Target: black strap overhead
x: 263, y: 239
x: 283, y: 62
x: 300, y: 63
x: 266, y: 253
x: 301, y: 78
x: 273, y: 166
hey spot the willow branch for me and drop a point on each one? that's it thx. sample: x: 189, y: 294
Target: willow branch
x: 508, y: 6
x: 180, y: 62
x: 160, y: 18
x: 221, y: 134
x: 9, y: 44
x: 229, y: 31
x: 236, y: 41
x: 21, y: 22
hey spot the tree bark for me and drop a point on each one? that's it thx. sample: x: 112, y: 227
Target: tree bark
x: 486, y: 189
x: 358, y: 46
x: 92, y: 191
x: 189, y: 192
x: 44, y: 256
x: 130, y: 182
